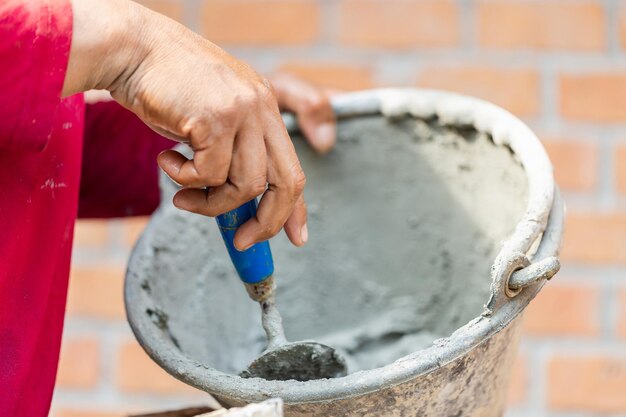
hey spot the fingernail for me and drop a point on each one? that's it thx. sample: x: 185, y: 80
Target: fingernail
x: 246, y: 247
x: 177, y: 203
x: 304, y: 233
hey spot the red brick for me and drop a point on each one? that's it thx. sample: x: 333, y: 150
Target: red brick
x: 399, y: 23
x: 96, y: 292
x: 132, y: 229
x: 564, y: 310
x: 338, y: 76
x: 595, y: 238
x: 621, y: 325
x: 170, y: 8
x: 547, y: 24
x: 620, y: 168
x: 79, y: 364
x: 594, y: 97
x: 576, y: 163
x: 136, y: 372
x: 91, y: 233
x: 260, y: 22
x: 517, y: 90
x: 519, y: 381
x: 587, y: 383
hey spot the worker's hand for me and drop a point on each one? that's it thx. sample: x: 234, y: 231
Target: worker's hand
x: 190, y: 90
x: 311, y: 104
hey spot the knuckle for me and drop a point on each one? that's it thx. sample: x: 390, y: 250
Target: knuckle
x: 226, y: 115
x: 256, y: 186
x: 230, y: 110
x: 209, y: 208
x: 223, y: 125
x: 246, y: 98
x: 294, y: 180
x: 270, y: 230
x: 266, y: 93
x: 298, y: 181
x: 315, y: 103
x: 215, y: 179
x: 268, y: 86
x: 251, y: 188
x: 197, y: 132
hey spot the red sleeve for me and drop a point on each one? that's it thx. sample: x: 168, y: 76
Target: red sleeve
x: 119, y: 173
x: 35, y: 41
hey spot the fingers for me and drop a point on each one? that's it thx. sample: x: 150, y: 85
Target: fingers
x: 283, y: 199
x: 312, y: 107
x: 298, y: 234
x: 246, y: 178
x: 255, y: 164
x: 209, y: 166
x: 319, y: 130
x: 268, y: 222
x: 229, y: 169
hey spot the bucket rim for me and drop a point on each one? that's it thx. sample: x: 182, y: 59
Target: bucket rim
x: 543, y: 220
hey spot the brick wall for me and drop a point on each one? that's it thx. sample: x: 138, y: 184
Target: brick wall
x: 559, y: 64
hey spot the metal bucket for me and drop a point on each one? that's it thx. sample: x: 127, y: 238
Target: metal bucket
x: 406, y: 228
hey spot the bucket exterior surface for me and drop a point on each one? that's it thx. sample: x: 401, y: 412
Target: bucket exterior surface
x: 463, y: 373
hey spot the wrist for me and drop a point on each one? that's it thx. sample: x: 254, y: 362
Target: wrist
x: 107, y: 44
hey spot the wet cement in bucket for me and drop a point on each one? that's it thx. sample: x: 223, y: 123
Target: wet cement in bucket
x: 405, y: 220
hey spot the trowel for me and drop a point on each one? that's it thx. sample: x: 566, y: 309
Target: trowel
x: 282, y: 360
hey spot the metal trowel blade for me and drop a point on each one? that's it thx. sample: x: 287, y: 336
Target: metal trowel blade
x: 301, y: 361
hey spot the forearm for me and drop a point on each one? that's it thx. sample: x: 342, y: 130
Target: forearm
x: 108, y: 43
x: 189, y: 89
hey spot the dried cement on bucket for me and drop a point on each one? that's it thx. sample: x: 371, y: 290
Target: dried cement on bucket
x: 405, y: 220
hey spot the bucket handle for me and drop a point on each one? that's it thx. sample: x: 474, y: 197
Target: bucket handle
x: 513, y: 271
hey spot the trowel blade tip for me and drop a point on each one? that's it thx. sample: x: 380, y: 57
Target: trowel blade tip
x: 300, y: 361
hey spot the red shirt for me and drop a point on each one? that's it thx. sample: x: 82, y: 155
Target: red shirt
x: 41, y: 147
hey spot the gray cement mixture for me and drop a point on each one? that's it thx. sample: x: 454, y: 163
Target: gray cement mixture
x: 405, y: 220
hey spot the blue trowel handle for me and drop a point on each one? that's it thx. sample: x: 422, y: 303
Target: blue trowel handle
x: 254, y: 264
